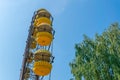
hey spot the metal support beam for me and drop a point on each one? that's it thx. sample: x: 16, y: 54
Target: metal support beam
x: 26, y: 50
x: 37, y: 77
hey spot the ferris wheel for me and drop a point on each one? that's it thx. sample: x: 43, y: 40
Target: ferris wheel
x: 38, y: 55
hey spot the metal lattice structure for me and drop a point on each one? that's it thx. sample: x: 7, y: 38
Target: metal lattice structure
x: 39, y: 47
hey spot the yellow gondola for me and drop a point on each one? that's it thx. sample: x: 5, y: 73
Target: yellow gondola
x: 42, y: 68
x: 35, y: 31
x: 30, y: 57
x: 42, y: 55
x: 44, y: 27
x: 27, y: 74
x: 38, y: 21
x: 43, y: 13
x: 44, y: 38
x: 33, y: 45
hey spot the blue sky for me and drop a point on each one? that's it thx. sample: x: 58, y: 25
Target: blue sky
x: 72, y: 19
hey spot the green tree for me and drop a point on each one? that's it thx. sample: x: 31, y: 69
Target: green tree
x: 98, y: 58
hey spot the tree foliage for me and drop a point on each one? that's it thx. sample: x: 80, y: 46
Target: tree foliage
x: 99, y: 58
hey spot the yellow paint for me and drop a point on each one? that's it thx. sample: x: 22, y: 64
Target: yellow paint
x: 40, y: 20
x: 42, y: 68
x: 44, y: 38
x: 33, y: 45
